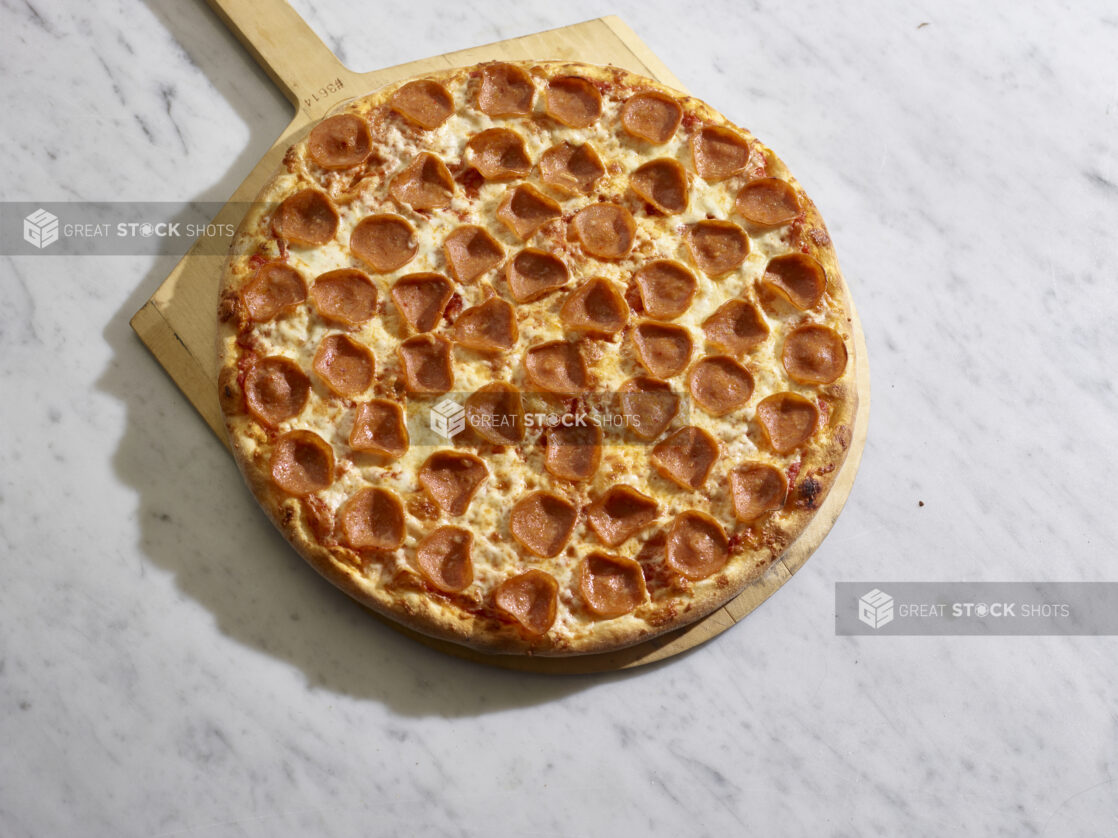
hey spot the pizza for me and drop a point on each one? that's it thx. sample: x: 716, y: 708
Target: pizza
x: 540, y: 358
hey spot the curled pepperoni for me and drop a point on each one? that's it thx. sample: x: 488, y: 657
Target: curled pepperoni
x: 276, y: 390
x: 307, y: 218
x: 425, y: 360
x: 686, y: 457
x: 719, y: 153
x: 373, y: 519
x: 424, y: 184
x: 572, y: 169
x: 619, y: 513
x: 611, y: 585
x: 574, y: 452
x: 344, y: 365
x: 573, y: 101
x: 346, y: 296
x: 788, y: 420
x: 814, y: 354
x: 424, y: 103
x: 443, y: 557
x: 421, y: 299
x: 757, y: 488
x: 384, y: 242
x: 302, y: 463
x: 496, y: 413
x: 662, y: 183
x: 340, y: 142
x: 717, y: 247
x: 649, y: 405
x: 451, y: 479
x: 525, y: 209
x: 797, y: 277
x: 697, y: 546
x: 488, y: 327
x: 275, y: 288
x: 596, y: 307
x: 498, y: 154
x: 505, y: 90
x: 719, y: 384
x: 768, y: 201
x: 736, y: 327
x: 379, y: 427
x: 605, y: 230
x: 533, y: 273
x: 542, y: 523
x: 470, y: 252
x: 662, y: 348
x: 651, y: 116
x: 530, y: 598
x: 666, y: 288
x: 558, y: 367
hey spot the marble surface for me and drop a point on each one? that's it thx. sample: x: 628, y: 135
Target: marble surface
x: 168, y: 667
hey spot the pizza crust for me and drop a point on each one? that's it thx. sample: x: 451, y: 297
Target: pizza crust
x: 388, y: 582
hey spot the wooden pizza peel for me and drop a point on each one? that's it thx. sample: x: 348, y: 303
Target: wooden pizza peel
x: 178, y: 322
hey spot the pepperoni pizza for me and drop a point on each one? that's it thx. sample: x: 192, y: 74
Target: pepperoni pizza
x: 539, y: 358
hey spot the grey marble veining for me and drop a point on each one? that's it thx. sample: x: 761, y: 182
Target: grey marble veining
x: 168, y: 667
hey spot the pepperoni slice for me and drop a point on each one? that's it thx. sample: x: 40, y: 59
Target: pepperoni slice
x: 649, y: 405
x: 719, y: 384
x: 757, y: 488
x: 426, y: 363
x: 686, y: 457
x: 302, y: 463
x: 574, y: 452
x: 489, y: 327
x: 697, y: 546
x: 421, y: 299
x: 651, y: 116
x: 605, y: 230
x: 717, y: 247
x: 308, y: 218
x: 596, y: 307
x: 505, y: 90
x: 344, y: 365
x: 663, y: 349
x: 384, y: 242
x: 451, y: 479
x: 719, y: 152
x: 530, y: 598
x: 620, y: 512
x: 275, y: 390
x: 558, y: 367
x: 574, y: 101
x: 346, y: 296
x: 814, y: 354
x: 611, y: 585
x: 525, y: 209
x: 666, y: 288
x: 572, y: 169
x: 533, y: 273
x: 498, y: 154
x: 373, y: 519
x: 736, y: 327
x: 662, y: 183
x: 788, y: 420
x: 496, y: 413
x: 276, y: 288
x: 542, y: 523
x: 470, y: 251
x: 424, y: 103
x: 379, y: 427
x: 797, y: 277
x: 768, y: 201
x: 443, y: 557
x: 424, y: 184
x: 340, y: 142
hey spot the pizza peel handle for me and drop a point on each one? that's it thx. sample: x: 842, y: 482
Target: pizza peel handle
x: 291, y: 54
